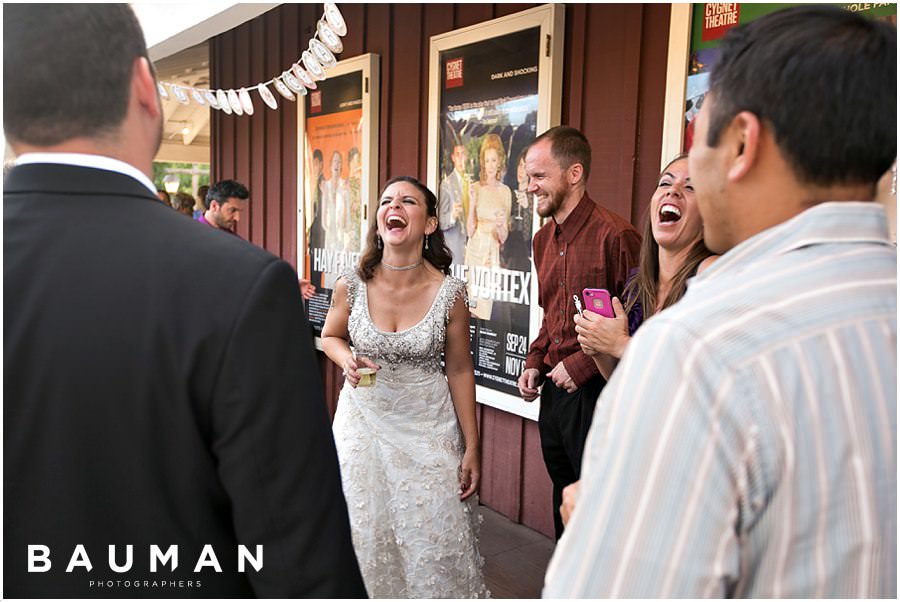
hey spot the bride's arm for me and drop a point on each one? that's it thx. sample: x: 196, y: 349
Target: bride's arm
x: 461, y: 377
x: 336, y: 337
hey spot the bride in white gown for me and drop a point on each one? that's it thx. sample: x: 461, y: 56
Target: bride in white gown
x: 408, y: 445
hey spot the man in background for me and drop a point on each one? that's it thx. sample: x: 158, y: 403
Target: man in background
x: 582, y: 245
x: 183, y: 203
x: 129, y: 423
x: 453, y: 204
x: 746, y: 445
x: 316, y: 236
x: 200, y: 202
x: 224, y: 202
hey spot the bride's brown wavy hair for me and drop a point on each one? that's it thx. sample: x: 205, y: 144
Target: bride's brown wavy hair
x: 437, y: 253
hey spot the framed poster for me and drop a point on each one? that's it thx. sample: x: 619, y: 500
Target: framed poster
x: 695, y: 33
x: 338, y: 173
x: 493, y: 88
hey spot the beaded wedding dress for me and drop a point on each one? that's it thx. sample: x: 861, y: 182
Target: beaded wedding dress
x: 400, y: 448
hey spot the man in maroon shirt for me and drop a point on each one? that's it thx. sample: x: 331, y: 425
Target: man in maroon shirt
x: 582, y: 246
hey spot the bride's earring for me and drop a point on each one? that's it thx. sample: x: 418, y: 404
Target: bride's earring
x: 427, y: 236
x: 378, y: 242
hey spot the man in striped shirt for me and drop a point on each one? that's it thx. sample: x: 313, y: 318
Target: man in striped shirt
x: 746, y: 444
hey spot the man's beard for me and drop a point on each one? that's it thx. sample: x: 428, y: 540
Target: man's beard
x: 555, y: 202
x: 221, y: 222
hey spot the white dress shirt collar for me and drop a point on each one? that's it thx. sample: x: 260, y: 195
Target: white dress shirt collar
x: 92, y: 161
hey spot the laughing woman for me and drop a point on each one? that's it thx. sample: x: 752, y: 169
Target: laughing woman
x: 408, y: 443
x: 672, y: 252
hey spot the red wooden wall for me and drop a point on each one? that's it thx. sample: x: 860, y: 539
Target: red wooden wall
x: 613, y: 90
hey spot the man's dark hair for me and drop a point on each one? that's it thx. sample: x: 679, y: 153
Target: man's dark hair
x: 67, y: 69
x: 353, y: 152
x: 317, y: 154
x: 824, y: 80
x: 568, y: 147
x: 224, y: 190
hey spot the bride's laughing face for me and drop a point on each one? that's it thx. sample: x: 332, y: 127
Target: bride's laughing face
x: 403, y: 214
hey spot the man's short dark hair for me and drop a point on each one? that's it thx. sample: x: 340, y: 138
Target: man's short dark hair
x: 824, y: 80
x: 224, y: 190
x: 353, y: 152
x: 568, y: 147
x: 67, y: 69
x: 317, y: 154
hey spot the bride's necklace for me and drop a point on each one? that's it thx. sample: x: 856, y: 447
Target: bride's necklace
x: 401, y: 268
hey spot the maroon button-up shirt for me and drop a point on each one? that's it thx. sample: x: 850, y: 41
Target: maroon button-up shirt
x: 592, y: 248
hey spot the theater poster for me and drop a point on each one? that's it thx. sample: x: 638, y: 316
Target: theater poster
x: 493, y: 88
x: 337, y: 172
x: 695, y: 34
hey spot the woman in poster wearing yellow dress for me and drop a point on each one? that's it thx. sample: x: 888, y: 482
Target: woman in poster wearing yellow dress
x: 487, y: 225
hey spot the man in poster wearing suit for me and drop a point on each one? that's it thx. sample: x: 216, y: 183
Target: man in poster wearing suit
x: 148, y: 451
x: 453, y: 205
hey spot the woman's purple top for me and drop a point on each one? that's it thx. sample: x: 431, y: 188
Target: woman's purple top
x: 636, y: 313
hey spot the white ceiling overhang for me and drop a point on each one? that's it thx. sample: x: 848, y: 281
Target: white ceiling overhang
x: 172, y: 27
x: 176, y: 35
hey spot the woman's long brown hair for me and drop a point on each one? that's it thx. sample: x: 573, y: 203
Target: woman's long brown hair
x: 437, y: 253
x: 645, y: 286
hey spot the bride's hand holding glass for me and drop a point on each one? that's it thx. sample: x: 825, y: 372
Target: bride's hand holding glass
x: 354, y: 363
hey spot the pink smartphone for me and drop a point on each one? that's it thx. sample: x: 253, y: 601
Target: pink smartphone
x: 598, y: 301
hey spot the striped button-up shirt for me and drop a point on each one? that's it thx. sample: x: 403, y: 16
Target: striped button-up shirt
x: 746, y: 444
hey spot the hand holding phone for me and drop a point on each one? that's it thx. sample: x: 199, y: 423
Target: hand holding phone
x: 598, y: 301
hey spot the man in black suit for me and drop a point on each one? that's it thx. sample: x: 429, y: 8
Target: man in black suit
x: 148, y: 451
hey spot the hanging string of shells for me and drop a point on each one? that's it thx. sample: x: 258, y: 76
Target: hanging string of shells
x: 293, y: 82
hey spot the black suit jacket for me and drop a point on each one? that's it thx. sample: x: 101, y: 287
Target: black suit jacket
x: 160, y: 388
